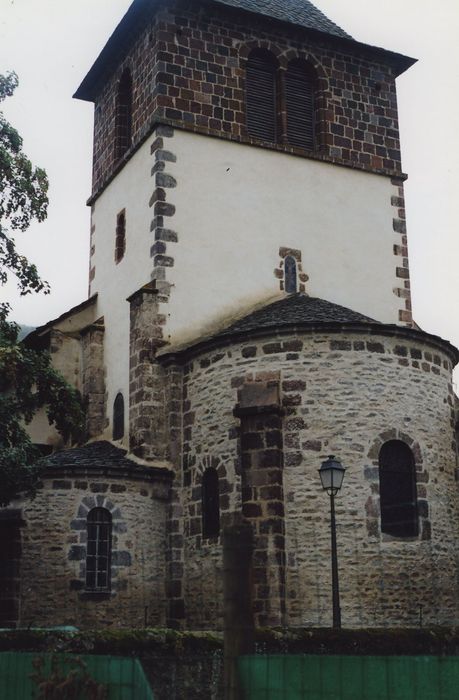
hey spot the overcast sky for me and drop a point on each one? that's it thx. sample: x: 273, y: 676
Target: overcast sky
x: 52, y: 43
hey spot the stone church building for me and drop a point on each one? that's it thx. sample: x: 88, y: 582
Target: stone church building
x: 248, y: 315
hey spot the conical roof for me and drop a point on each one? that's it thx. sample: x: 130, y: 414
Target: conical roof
x: 295, y: 309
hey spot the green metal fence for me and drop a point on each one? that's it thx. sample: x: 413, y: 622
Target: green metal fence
x: 124, y: 677
x: 295, y: 677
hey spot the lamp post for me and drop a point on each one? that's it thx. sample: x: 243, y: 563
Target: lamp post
x: 331, y: 475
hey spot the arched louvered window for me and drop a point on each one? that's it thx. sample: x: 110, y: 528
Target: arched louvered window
x: 299, y: 100
x: 290, y: 277
x: 123, y: 114
x: 98, y: 549
x: 118, y: 417
x: 210, y: 503
x: 261, y: 97
x: 397, y: 490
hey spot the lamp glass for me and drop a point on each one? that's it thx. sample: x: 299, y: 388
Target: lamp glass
x: 331, y: 475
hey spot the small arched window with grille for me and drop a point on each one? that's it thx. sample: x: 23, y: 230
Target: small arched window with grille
x: 261, y: 95
x: 118, y: 417
x: 300, y: 83
x: 98, y: 549
x: 397, y: 490
x: 210, y: 503
x: 123, y: 114
x: 290, y: 275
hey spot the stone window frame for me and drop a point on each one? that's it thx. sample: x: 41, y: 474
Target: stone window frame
x: 120, y: 558
x: 279, y: 272
x: 372, y: 504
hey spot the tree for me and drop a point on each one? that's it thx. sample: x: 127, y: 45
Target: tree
x: 28, y: 382
x: 23, y: 197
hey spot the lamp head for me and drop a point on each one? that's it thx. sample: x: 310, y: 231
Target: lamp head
x: 331, y: 475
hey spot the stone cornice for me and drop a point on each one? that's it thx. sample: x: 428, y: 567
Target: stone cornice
x: 374, y: 329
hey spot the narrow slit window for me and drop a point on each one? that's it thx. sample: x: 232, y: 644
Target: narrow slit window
x: 123, y: 115
x: 299, y: 98
x: 210, y: 503
x: 290, y: 275
x: 118, y: 417
x: 120, y: 237
x: 261, y: 95
x: 397, y: 490
x: 98, y: 552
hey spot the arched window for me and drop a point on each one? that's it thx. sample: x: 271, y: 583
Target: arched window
x: 397, y: 490
x: 210, y: 503
x: 118, y: 417
x: 120, y: 237
x: 98, y: 549
x: 290, y: 279
x: 123, y: 114
x: 299, y: 99
x: 261, y: 89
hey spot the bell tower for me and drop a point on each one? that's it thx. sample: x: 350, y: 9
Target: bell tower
x: 231, y: 141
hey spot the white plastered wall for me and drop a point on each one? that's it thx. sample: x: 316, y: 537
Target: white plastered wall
x: 236, y: 205
x: 130, y: 190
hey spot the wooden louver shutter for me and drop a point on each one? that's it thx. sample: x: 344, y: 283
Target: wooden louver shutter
x: 261, y: 98
x: 299, y: 89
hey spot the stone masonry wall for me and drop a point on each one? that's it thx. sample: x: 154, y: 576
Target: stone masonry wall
x: 146, y: 377
x: 262, y: 505
x: 188, y: 70
x: 54, y: 554
x: 93, y: 385
x: 343, y: 394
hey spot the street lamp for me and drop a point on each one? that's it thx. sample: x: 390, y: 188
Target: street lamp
x: 331, y: 475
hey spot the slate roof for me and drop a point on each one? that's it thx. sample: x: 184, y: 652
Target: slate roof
x: 99, y: 455
x: 295, y: 309
x: 300, y: 12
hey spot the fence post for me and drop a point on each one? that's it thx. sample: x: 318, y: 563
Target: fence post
x: 238, y: 615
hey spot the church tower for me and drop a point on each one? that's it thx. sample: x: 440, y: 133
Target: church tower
x: 275, y: 147
x: 249, y: 314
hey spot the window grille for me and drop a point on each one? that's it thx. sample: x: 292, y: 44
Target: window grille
x: 261, y: 95
x: 299, y: 97
x: 397, y: 490
x: 118, y: 417
x: 290, y: 276
x: 210, y: 503
x: 98, y: 552
x: 123, y: 114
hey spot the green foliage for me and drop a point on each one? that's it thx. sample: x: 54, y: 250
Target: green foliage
x: 23, y: 197
x: 28, y: 381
